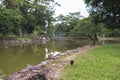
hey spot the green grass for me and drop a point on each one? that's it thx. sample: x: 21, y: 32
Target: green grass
x: 22, y: 38
x: 102, y: 63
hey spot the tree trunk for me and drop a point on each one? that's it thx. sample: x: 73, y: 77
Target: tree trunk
x: 94, y: 39
x: 0, y: 41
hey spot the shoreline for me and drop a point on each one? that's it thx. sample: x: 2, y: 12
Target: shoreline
x: 18, y: 42
x: 49, y: 69
x: 110, y: 38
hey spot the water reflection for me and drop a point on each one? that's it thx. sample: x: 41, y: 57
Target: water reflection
x: 50, y: 54
x: 47, y: 54
x: 2, y: 75
x: 14, y: 58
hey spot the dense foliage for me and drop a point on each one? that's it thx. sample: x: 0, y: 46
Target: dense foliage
x: 74, y: 26
x: 67, y: 23
x: 88, y: 29
x: 36, y: 14
x: 107, y: 12
x: 104, y: 19
x: 10, y: 22
x: 22, y: 17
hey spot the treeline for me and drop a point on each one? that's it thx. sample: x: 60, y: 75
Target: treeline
x: 26, y: 17
x: 103, y: 21
x: 31, y: 17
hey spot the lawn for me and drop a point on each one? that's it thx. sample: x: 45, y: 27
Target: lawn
x: 102, y: 63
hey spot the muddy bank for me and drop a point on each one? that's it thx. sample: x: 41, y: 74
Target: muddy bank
x: 18, y: 42
x: 51, y: 68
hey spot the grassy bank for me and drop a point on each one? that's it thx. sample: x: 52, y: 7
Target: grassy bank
x: 102, y: 63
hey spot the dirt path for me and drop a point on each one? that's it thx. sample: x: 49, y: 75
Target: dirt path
x: 55, y: 66
x: 51, y: 68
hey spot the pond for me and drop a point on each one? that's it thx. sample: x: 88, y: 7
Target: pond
x: 14, y: 58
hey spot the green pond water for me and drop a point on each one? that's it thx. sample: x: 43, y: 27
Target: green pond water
x: 15, y: 58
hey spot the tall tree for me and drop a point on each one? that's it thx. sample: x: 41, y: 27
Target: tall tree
x: 35, y: 13
x: 10, y: 22
x: 105, y: 11
x: 88, y: 29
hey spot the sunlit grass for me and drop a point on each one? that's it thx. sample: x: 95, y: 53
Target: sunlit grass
x: 102, y: 63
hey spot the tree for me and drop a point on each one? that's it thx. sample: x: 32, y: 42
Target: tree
x: 67, y: 23
x: 12, y: 4
x: 10, y: 22
x: 88, y: 29
x: 105, y: 11
x: 35, y: 13
x: 40, y: 14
